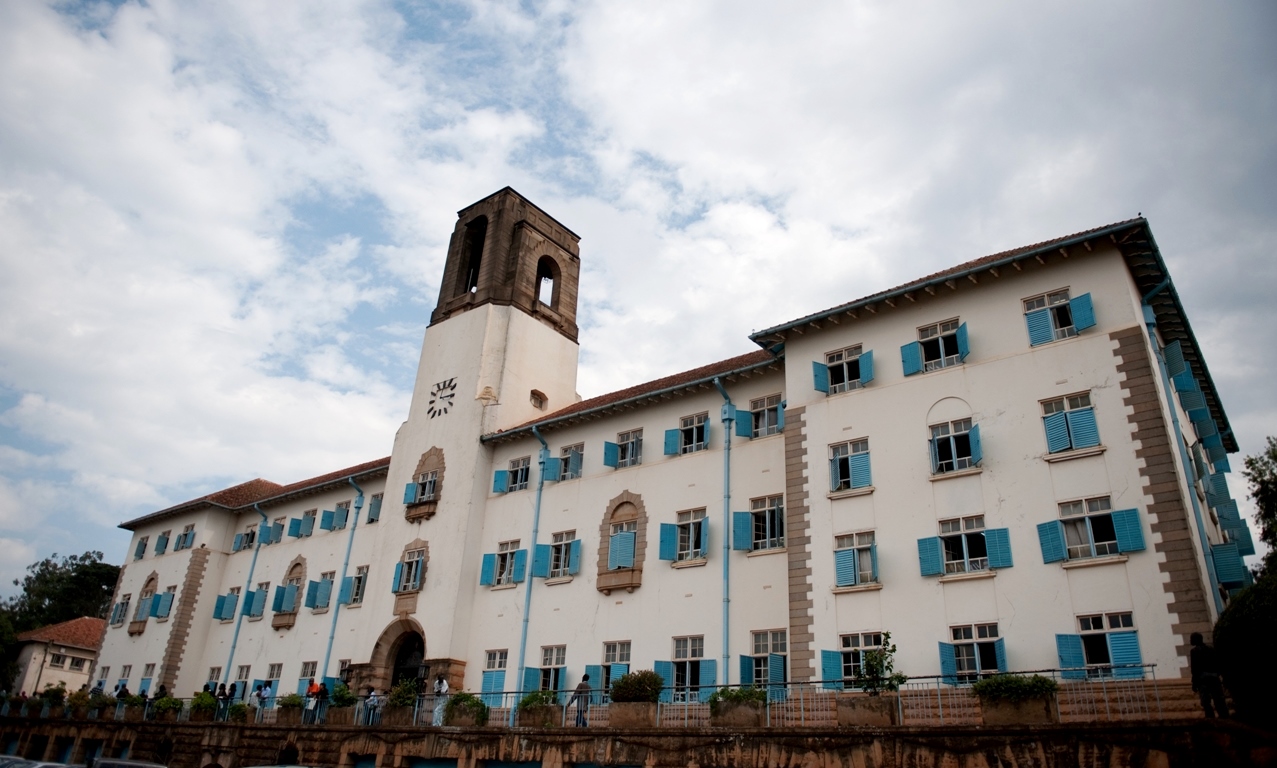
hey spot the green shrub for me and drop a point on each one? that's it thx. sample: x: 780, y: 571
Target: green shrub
x: 204, y: 702
x: 79, y: 699
x: 538, y: 699
x: 166, y: 704
x: 1242, y: 643
x: 54, y: 695
x: 102, y: 700
x: 467, y: 703
x: 342, y: 697
x: 238, y: 713
x: 736, y: 696
x: 877, y: 672
x: 403, y: 695
x: 643, y: 685
x: 134, y: 700
x: 1014, y: 688
x: 290, y: 701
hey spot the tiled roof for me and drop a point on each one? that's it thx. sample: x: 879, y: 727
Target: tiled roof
x: 639, y: 391
x: 84, y: 632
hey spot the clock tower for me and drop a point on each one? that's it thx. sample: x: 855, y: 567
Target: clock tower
x: 500, y: 350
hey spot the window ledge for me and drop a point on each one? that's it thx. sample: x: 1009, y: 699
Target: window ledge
x: 1080, y: 453
x: 254, y: 618
x: 1087, y: 562
x: 353, y: 605
x: 694, y: 563
x: 511, y: 585
x: 850, y: 493
x: 858, y: 588
x: 957, y: 473
x: 989, y: 574
x: 764, y: 552
x: 558, y: 580
x: 161, y: 619
x: 318, y: 611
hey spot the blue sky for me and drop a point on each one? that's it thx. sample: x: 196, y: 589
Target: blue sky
x: 222, y: 225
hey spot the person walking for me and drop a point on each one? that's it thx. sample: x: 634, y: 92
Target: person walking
x: 1203, y: 664
x: 582, y: 698
x: 441, y: 698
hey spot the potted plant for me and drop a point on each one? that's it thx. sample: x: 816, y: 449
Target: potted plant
x: 465, y: 710
x: 166, y: 708
x: 134, y: 707
x: 540, y: 709
x: 203, y: 707
x: 876, y: 675
x: 1017, y: 700
x: 400, y: 704
x: 55, y: 697
x: 238, y: 712
x: 102, y: 706
x: 633, y: 699
x: 737, y: 707
x: 341, y: 706
x: 290, y: 709
x: 79, y: 702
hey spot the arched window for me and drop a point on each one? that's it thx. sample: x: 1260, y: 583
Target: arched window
x: 548, y: 282
x: 472, y: 255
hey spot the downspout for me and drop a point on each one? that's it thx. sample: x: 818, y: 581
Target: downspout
x: 729, y: 420
x: 1151, y: 323
x: 345, y: 565
x: 239, y: 611
x: 542, y: 456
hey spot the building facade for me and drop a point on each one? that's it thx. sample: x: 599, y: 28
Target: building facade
x: 1015, y: 464
x: 58, y: 655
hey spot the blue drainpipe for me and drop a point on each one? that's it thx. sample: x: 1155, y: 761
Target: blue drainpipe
x: 729, y: 420
x: 239, y: 611
x: 542, y: 456
x: 345, y: 565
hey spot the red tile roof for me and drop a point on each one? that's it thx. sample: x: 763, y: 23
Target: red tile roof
x: 84, y: 632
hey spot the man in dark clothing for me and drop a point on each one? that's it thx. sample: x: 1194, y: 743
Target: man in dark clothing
x: 1204, y: 667
x: 582, y: 698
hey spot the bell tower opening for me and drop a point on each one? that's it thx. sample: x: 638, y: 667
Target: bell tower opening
x: 548, y: 282
x: 476, y: 233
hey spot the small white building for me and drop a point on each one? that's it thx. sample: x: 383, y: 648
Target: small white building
x: 59, y: 654
x: 1014, y: 464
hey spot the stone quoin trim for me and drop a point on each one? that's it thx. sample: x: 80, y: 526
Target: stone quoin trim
x: 798, y: 547
x: 183, y: 615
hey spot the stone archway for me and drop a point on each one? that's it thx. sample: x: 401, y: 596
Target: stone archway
x: 380, y: 672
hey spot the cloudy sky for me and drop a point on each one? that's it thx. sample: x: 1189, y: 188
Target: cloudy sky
x: 222, y: 224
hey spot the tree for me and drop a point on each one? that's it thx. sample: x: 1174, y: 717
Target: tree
x: 1261, y: 473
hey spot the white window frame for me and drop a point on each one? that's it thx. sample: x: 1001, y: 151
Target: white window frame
x: 964, y: 534
x: 766, y: 642
x: 553, y: 666
x: 940, y: 341
x: 693, y: 433
x: 77, y: 664
x: 1061, y: 313
x: 629, y: 448
x: 842, y: 363
x: 412, y: 571
x: 504, y: 573
x: 1084, y: 522
x: 842, y: 453
x: 862, y: 542
x: 520, y: 470
x: 561, y: 553
x: 308, y: 669
x: 57, y: 660
x: 273, y: 673
x: 956, y: 435
x: 974, y: 650
x: 768, y: 524
x: 358, y: 585
x: 1099, y: 625
x: 497, y: 659
x: 313, y: 514
x: 688, y: 652
x: 565, y: 461
x: 690, y: 546
x: 766, y: 415
x: 614, y: 652
x: 853, y: 648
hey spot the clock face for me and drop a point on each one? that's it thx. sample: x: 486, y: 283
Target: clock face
x: 441, y: 397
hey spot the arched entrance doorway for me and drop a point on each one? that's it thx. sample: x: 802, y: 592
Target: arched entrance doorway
x: 410, y: 654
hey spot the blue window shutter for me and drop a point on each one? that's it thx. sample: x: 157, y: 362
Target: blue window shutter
x: 866, y: 367
x: 1000, y: 650
x: 709, y: 432
x: 161, y: 544
x: 1229, y: 567
x: 551, y: 470
x: 326, y: 520
x: 1082, y: 429
x: 374, y: 512
x: 487, y: 571
x: 325, y: 593
x: 935, y: 454
x: 1124, y: 649
x: 704, y: 537
x: 498, y: 685
x: 746, y: 670
x: 742, y: 531
x: 312, y: 591
x: 666, y: 670
x: 154, y: 607
x: 977, y: 451
x: 239, y: 542
x: 500, y: 480
x: 166, y: 604
x: 541, y: 561
x: 340, y: 514
x: 295, y: 527
x: 845, y: 567
x: 964, y: 346
x: 276, y: 534
x: 820, y: 376
x: 1199, y: 414
x: 708, y: 680
x: 308, y: 522
x: 780, y: 416
x: 1057, y: 432
x: 1215, y: 451
x: 1185, y: 382
x: 1072, y: 658
x: 1130, y: 534
x: 277, y: 604
x: 831, y: 670
x: 873, y: 559
x: 1228, y: 510
x: 621, y: 550
x: 520, y: 565
x: 397, y: 577
x: 1239, y: 532
x: 1219, y: 484
x: 744, y: 424
x: 611, y: 454
x: 669, y: 541
x: 574, y: 464
x: 776, y: 677
x: 347, y: 589
x: 250, y: 598
x: 218, y: 606
x: 259, y: 602
x: 144, y: 606
x: 140, y: 550
x: 998, y: 543
x: 929, y: 557
x: 531, y: 679
x: 673, y: 439
x: 1083, y: 312
x: 595, y: 672
x: 1051, y: 537
x: 1192, y: 400
x: 228, y: 609
x: 948, y: 664
x: 861, y: 476
x: 410, y: 493
x: 574, y: 557
x: 1039, y: 323
x: 911, y: 358
x: 290, y: 597
x: 835, y: 476
x: 1173, y: 353
x: 263, y: 533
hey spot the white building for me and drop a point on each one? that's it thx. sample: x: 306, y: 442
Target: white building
x: 59, y: 654
x: 1014, y: 464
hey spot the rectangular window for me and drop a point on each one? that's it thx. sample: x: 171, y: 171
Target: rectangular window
x: 1070, y: 423
x: 691, y: 544
x: 519, y: 471
x: 104, y: 673
x: 214, y: 673
x: 57, y: 660
x: 1094, y: 630
x: 975, y: 650
x: 553, y: 661
x: 274, y: 672
x: 693, y: 433
x: 849, y: 465
x: 410, y: 575
x: 148, y: 670
x: 77, y: 664
x: 358, y: 584
x: 309, y: 518
x: 1057, y: 318
x: 341, y: 515
x: 141, y: 548
x: 561, y: 553
x: 951, y: 446
x: 143, y: 606
x: 766, y: 413
x: 862, y: 544
x: 939, y: 344
x: 374, y: 507
x: 629, y: 448
x: 1088, y: 528
x: 570, y: 461
x: 617, y: 652
x: 497, y: 659
x: 769, y: 522
x: 308, y: 669
x: 161, y: 542
x: 629, y: 526
x: 688, y: 652
x: 126, y: 671
x: 187, y: 538
x: 426, y: 486
x: 343, y: 670
x: 243, y: 674
x: 249, y: 537
x: 229, y: 613
x: 844, y: 369
x: 772, y: 641
x: 853, y: 649
x: 964, y: 544
x: 505, y: 561
x: 124, y: 609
